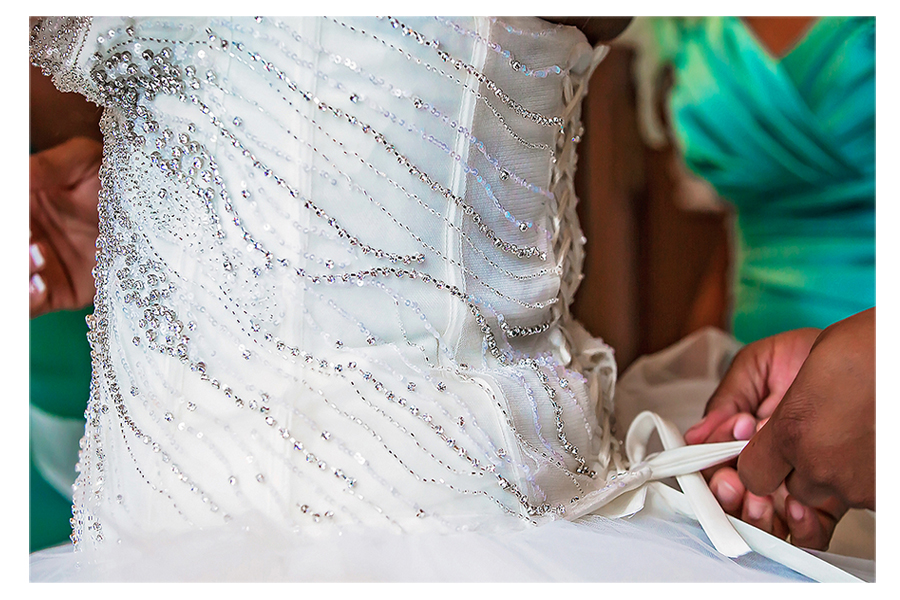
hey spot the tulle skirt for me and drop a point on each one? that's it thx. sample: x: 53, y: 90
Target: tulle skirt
x: 651, y: 546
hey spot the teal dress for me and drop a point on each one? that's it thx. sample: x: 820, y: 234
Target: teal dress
x: 59, y: 384
x: 790, y: 143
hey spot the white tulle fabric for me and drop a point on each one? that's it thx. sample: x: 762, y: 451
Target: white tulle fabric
x: 331, y: 338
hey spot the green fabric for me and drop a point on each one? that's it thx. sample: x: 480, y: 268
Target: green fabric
x: 48, y: 518
x: 59, y: 383
x: 791, y: 143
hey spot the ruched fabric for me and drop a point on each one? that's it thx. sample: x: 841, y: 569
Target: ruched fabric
x: 790, y: 142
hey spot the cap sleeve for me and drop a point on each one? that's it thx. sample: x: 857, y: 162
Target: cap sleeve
x: 58, y: 45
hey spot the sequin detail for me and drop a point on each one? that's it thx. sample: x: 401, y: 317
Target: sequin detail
x: 333, y: 277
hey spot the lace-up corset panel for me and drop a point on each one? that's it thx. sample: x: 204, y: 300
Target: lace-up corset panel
x: 334, y: 269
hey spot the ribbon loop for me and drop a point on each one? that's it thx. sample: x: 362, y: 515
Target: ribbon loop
x: 625, y: 494
x: 684, y: 462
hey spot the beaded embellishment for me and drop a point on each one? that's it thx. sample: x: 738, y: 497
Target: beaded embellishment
x: 334, y: 269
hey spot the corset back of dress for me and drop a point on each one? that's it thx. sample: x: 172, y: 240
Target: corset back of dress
x: 334, y: 269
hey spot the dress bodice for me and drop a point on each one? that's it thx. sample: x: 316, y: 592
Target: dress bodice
x: 334, y: 269
x: 790, y: 142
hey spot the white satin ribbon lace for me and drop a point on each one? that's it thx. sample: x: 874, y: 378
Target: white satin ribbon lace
x: 626, y: 493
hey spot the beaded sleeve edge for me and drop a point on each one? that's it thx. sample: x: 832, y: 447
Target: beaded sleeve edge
x: 56, y: 45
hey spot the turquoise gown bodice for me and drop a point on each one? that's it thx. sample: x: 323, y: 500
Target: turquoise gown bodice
x: 790, y: 142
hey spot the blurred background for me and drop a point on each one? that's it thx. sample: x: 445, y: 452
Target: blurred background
x: 657, y: 258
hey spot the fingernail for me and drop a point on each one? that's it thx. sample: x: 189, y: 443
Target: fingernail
x: 36, y: 257
x: 797, y: 510
x: 761, y: 423
x: 744, y: 427
x: 755, y: 508
x: 37, y: 284
x: 725, y: 493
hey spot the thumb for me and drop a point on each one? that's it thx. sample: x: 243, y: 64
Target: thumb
x: 761, y: 465
x: 740, y: 391
x: 715, y: 420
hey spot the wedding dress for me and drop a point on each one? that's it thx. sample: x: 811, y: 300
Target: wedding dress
x: 331, y: 337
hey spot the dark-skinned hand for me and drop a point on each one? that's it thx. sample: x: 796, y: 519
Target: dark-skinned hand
x: 64, y: 187
x: 755, y: 383
x: 819, y: 441
x: 750, y: 394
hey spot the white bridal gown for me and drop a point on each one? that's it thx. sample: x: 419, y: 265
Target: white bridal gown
x: 331, y: 338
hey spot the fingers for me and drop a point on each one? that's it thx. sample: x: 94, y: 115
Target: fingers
x: 741, y: 390
x: 726, y: 486
x: 37, y: 295
x: 809, y: 528
x: 37, y: 287
x: 738, y: 427
x: 713, y: 421
x: 778, y: 499
x: 768, y: 406
x: 741, y: 426
x: 49, y: 288
x: 63, y: 219
x: 760, y: 512
x: 36, y: 260
x: 763, y: 512
x: 779, y: 514
x: 744, y: 385
x: 761, y: 465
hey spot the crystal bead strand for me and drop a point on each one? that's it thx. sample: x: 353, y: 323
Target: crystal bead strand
x: 171, y: 349
x: 419, y: 103
x: 462, y: 66
x: 402, y: 159
x: 201, y: 367
x: 503, y: 245
x: 506, y: 246
x: 514, y: 64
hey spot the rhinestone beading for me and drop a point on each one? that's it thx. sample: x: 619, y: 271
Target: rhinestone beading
x: 308, y: 305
